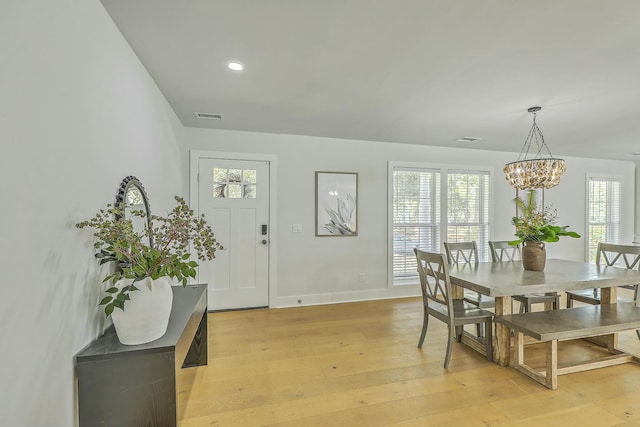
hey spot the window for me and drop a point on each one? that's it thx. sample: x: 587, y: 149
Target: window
x: 416, y: 216
x: 468, y: 209
x: 420, y: 197
x: 234, y: 183
x: 604, y: 208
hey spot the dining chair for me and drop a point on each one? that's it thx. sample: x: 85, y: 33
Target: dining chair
x: 609, y: 254
x: 467, y: 253
x: 501, y: 251
x: 437, y: 301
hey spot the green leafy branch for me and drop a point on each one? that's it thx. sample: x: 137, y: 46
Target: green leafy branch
x: 117, y: 242
x: 537, y: 225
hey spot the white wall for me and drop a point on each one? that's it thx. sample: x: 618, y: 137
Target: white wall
x: 637, y: 205
x: 319, y: 270
x: 78, y: 113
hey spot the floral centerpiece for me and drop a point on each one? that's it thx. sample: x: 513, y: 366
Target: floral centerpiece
x: 140, y: 266
x: 534, y: 227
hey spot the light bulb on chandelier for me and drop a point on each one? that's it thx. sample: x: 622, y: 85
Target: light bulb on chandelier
x: 541, y: 171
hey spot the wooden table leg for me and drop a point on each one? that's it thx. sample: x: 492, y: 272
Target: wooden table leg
x: 457, y: 292
x: 502, y: 340
x: 608, y: 295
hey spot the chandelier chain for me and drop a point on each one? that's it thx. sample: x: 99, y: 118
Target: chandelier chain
x: 534, y: 133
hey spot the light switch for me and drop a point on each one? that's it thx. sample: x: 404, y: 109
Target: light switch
x: 297, y: 228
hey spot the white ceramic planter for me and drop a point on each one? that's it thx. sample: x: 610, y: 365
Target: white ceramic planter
x: 146, y: 315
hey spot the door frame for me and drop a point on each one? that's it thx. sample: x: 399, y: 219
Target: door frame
x: 194, y: 158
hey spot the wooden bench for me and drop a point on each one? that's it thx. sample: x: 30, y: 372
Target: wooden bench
x: 572, y: 323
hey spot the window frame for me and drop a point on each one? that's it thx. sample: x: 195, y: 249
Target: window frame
x: 444, y: 170
x: 484, y: 209
x: 610, y: 178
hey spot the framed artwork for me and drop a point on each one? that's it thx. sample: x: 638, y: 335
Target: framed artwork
x: 336, y: 204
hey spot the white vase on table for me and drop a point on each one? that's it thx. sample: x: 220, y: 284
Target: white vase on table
x: 146, y: 316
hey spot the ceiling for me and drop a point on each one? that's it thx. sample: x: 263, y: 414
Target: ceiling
x: 408, y: 71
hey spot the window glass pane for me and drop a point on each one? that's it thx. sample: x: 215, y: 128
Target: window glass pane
x: 416, y: 217
x: 235, y: 191
x: 597, y: 233
x: 603, y: 212
x: 235, y: 183
x: 416, y: 213
x: 220, y: 190
x: 249, y: 176
x: 468, y: 209
x: 219, y: 175
x: 249, y: 191
x: 235, y: 175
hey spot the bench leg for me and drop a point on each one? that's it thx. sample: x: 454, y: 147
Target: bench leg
x: 547, y: 377
x: 610, y: 296
x: 518, y: 350
x: 551, y: 379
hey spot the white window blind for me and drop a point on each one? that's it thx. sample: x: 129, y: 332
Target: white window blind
x: 416, y: 216
x: 604, y: 213
x: 429, y: 205
x: 468, y: 209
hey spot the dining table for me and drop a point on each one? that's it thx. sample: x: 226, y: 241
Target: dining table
x: 502, y: 280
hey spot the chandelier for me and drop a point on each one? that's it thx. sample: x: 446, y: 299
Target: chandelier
x: 539, y: 171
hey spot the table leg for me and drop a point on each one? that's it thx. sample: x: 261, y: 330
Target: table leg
x: 608, y: 295
x: 502, y: 340
x: 457, y: 292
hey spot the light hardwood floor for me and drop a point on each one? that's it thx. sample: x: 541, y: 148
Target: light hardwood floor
x: 358, y: 364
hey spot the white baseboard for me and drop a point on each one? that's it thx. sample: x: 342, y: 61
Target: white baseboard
x: 342, y: 297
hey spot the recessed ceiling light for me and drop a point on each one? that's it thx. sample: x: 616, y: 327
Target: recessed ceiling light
x: 468, y: 139
x: 235, y: 66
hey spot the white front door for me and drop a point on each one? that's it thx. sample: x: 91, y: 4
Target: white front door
x: 233, y: 195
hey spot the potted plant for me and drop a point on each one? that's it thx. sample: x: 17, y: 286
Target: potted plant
x: 535, y: 227
x: 139, y: 297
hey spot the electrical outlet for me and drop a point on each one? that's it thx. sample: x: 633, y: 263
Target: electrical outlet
x: 296, y: 228
x: 361, y: 277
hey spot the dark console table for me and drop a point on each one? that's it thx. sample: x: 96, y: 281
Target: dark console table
x: 121, y: 385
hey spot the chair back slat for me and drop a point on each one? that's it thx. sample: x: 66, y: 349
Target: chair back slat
x: 501, y: 251
x: 624, y: 256
x: 434, y: 278
x: 461, y: 252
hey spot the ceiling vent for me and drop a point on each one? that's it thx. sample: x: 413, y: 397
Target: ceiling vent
x: 210, y: 116
x: 468, y: 139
